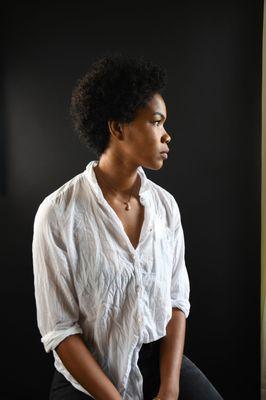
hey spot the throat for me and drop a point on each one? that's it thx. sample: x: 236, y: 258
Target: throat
x: 132, y: 219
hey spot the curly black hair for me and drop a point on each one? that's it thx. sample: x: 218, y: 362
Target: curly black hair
x: 114, y: 87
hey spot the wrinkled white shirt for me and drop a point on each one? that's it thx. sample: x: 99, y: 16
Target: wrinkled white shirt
x: 89, y: 278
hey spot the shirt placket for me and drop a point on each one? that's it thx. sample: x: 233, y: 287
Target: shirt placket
x: 135, y: 253
x: 138, y: 278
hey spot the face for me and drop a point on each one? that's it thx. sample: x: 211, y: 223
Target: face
x: 142, y: 140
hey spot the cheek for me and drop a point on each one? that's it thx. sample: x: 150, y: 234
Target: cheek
x: 142, y: 139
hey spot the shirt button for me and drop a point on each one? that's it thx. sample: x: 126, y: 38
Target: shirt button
x: 136, y: 259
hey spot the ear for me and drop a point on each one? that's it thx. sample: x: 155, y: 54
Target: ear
x: 115, y: 129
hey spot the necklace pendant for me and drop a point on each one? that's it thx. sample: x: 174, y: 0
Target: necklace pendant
x: 127, y: 206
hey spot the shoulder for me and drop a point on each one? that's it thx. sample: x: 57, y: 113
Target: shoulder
x: 58, y: 204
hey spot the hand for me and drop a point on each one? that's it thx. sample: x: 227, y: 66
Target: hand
x: 170, y: 394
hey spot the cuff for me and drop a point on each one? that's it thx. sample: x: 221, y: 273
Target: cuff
x: 183, y: 305
x: 52, y: 339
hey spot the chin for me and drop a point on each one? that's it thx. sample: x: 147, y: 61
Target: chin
x: 156, y: 165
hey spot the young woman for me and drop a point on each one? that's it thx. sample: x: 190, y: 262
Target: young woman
x: 111, y: 284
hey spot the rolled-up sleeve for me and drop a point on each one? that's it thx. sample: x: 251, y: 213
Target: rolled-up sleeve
x: 180, y: 286
x: 56, y: 302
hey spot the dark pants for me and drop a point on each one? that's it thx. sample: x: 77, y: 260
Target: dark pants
x: 193, y: 384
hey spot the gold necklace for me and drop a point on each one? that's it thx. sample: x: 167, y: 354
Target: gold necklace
x: 127, y: 203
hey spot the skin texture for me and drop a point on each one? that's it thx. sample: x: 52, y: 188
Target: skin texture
x: 171, y: 353
x: 84, y: 368
x: 133, y: 144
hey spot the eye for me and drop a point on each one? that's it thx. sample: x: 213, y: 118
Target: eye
x: 155, y: 122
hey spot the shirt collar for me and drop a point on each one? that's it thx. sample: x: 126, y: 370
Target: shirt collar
x: 90, y: 174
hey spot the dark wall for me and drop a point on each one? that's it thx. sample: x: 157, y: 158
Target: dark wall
x: 212, y: 52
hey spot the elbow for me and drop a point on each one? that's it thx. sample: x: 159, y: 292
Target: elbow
x: 183, y: 305
x: 52, y: 339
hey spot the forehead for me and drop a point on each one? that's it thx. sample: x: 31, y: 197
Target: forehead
x: 156, y: 104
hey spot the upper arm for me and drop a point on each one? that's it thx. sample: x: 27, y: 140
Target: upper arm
x: 56, y: 301
x: 180, y: 285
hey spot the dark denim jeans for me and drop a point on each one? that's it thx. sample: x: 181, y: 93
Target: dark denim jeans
x: 193, y: 384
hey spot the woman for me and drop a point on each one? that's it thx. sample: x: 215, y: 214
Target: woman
x: 111, y: 284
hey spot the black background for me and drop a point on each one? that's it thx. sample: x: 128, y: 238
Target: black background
x: 212, y: 53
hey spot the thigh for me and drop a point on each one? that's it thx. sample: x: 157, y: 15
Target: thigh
x: 149, y: 365
x: 194, y: 385
x: 62, y: 389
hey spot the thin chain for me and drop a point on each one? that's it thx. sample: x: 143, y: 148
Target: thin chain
x: 127, y: 207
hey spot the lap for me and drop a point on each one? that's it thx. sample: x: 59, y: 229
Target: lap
x: 62, y: 389
x: 193, y: 383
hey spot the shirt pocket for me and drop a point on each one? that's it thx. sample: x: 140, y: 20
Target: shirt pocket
x: 163, y: 237
x: 161, y: 230
x: 157, y: 258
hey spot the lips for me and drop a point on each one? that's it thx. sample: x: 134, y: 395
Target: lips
x: 164, y: 154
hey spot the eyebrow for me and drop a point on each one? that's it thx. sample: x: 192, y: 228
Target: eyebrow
x: 157, y: 112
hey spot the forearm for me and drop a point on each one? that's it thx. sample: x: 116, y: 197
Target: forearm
x: 171, y: 354
x: 79, y: 361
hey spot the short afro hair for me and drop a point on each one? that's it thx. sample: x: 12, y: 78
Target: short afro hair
x: 114, y: 87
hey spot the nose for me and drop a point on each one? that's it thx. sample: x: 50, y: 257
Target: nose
x: 166, y: 137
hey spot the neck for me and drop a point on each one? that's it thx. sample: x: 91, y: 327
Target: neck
x: 118, y: 175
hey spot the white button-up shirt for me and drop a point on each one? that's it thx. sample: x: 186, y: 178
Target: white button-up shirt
x: 89, y: 278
